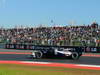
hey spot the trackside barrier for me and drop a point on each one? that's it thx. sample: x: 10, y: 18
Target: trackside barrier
x: 89, y: 49
x: 2, y: 46
x: 92, y: 49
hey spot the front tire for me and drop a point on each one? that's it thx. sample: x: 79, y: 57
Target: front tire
x: 75, y: 56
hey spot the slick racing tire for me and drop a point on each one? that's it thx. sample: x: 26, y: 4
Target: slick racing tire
x: 75, y: 56
x: 38, y: 54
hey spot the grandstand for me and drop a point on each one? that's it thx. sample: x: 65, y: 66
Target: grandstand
x: 86, y: 35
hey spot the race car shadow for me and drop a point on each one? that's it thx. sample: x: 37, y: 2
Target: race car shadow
x: 52, y: 57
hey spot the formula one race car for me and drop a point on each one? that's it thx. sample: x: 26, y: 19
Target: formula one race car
x: 56, y: 51
x: 40, y: 51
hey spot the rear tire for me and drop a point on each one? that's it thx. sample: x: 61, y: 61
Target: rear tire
x: 38, y: 54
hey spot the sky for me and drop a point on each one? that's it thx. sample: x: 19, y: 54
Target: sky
x: 48, y: 12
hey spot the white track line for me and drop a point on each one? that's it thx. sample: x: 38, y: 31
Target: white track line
x: 84, y: 65
x: 31, y: 62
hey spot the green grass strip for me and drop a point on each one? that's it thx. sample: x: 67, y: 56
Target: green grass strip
x: 13, y: 69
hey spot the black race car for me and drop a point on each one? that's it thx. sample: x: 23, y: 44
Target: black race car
x: 57, y: 52
x: 40, y: 51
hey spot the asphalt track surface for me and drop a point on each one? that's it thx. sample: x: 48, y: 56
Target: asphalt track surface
x: 24, y: 57
x: 88, y: 60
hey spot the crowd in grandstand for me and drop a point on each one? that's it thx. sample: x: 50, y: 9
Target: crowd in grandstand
x: 86, y: 35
